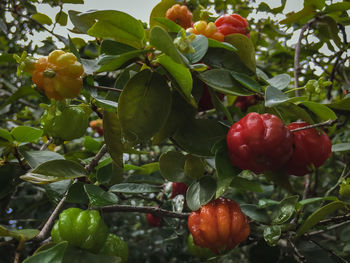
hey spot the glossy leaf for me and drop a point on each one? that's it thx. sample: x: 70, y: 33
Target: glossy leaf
x: 244, y: 184
x: 181, y: 74
x: 253, y: 212
x: 221, y: 80
x: 19, y: 234
x: 131, y: 188
x: 54, y: 254
x: 200, y: 45
x: 161, y: 40
x: 246, y: 81
x: 198, y: 136
x: 76, y: 194
x: 26, y: 134
x: 53, y: 171
x: 99, y: 197
x: 113, y: 136
x: 318, y: 215
x: 217, y: 44
x: 172, y: 166
x: 111, y: 47
x: 143, y: 106
x: 280, y: 81
x: 315, y: 200
x: 170, y: 25
x: 200, y: 193
x: 35, y: 158
x: 285, y: 209
x: 272, y: 234
x: 245, y: 49
x: 274, y: 97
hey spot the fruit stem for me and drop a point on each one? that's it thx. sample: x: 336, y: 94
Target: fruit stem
x: 330, y: 122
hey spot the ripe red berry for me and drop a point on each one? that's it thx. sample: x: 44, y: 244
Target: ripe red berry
x: 219, y: 225
x: 178, y: 189
x: 205, y: 102
x: 244, y: 102
x: 259, y: 143
x: 154, y: 221
x: 311, y: 148
x: 230, y: 24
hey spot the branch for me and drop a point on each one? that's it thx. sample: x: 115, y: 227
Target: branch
x: 328, y: 229
x: 329, y: 251
x: 297, y: 54
x: 142, y: 209
x: 321, y: 124
x: 44, y: 146
x: 107, y: 88
x: 96, y: 159
x: 95, y: 109
x: 296, y: 251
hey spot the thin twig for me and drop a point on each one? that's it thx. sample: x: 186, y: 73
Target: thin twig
x: 321, y: 124
x: 22, y: 101
x: 328, y: 250
x: 297, y: 54
x: 142, y: 209
x: 296, y: 251
x: 307, y: 185
x: 108, y: 88
x: 335, y: 219
x: 23, y: 166
x: 96, y: 159
x: 95, y: 109
x: 328, y: 229
x: 44, y: 146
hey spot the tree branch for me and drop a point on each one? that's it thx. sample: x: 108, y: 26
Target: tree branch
x: 321, y: 124
x: 297, y: 54
x: 96, y: 159
x: 142, y: 209
x: 107, y: 88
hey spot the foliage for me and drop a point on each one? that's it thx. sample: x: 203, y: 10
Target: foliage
x: 145, y: 80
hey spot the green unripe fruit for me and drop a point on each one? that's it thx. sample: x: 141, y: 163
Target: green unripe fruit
x: 115, y: 246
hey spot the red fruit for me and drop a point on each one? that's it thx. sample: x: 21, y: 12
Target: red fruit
x: 259, y: 143
x: 311, y: 148
x: 219, y: 225
x: 180, y: 15
x: 244, y: 102
x: 154, y: 221
x: 205, y: 102
x: 230, y: 24
x: 178, y: 189
x: 97, y: 125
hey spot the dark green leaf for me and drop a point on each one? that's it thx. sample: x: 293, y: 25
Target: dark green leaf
x: 26, y: 134
x: 337, y: 7
x: 314, y: 200
x: 77, y: 255
x: 201, y: 192
x: 343, y: 104
x: 143, y: 106
x: 246, y: 81
x: 217, y: 44
x: 91, y: 144
x: 221, y: 80
x: 76, y: 194
x: 244, y: 184
x: 111, y: 47
x: 42, y: 19
x: 20, y: 93
x: 19, y: 234
x: 35, y: 158
x: 54, y: 254
x: 75, y: 51
x: 99, y: 197
x: 318, y: 215
x: 200, y: 45
x: 253, y: 212
x: 172, y: 166
x: 285, y: 209
x: 170, y: 25
x: 154, y: 178
x: 307, y: 12
x: 130, y: 188
x: 61, y: 18
x: 274, y: 97
x: 4, y: 134
x: 53, y: 171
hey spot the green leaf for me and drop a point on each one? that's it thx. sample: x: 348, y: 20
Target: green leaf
x: 217, y: 44
x: 322, y: 112
x: 75, y: 51
x: 19, y: 234
x: 221, y: 80
x: 54, y: 254
x: 73, y: 1
x: 274, y: 97
x: 307, y: 12
x: 272, y: 234
x: 61, y: 18
x: 219, y: 105
x: 181, y: 74
x: 99, y: 197
x: 53, y: 171
x: 328, y: 29
x: 246, y: 81
x: 107, y: 105
x: 143, y: 106
x: 172, y: 166
x: 154, y: 178
x: 114, y: 62
x: 318, y: 215
x: 130, y: 188
x: 9, y: 173
x: 112, y: 135
x: 76, y: 194
x: 314, y: 200
x: 198, y: 136
x: 4, y: 134
x: 170, y: 25
x: 26, y: 134
x: 343, y: 104
x: 319, y: 4
x: 253, y: 212
x: 77, y: 255
x: 42, y: 19
x: 111, y: 47
x: 110, y: 24
x: 19, y: 93
x: 285, y: 209
x: 263, y: 203
x: 200, y: 45
x: 201, y: 192
x: 245, y: 49
x: 90, y: 144
x: 159, y: 10
x: 341, y: 147
x: 280, y: 81
x: 337, y: 7
x: 35, y: 158
x: 148, y: 168
x: 244, y: 184
x: 161, y: 40
x: 109, y: 173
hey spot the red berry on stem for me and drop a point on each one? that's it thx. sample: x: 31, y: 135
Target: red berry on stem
x: 259, y: 142
x: 311, y: 148
x: 205, y: 102
x: 154, y: 221
x: 178, y: 189
x: 231, y: 24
